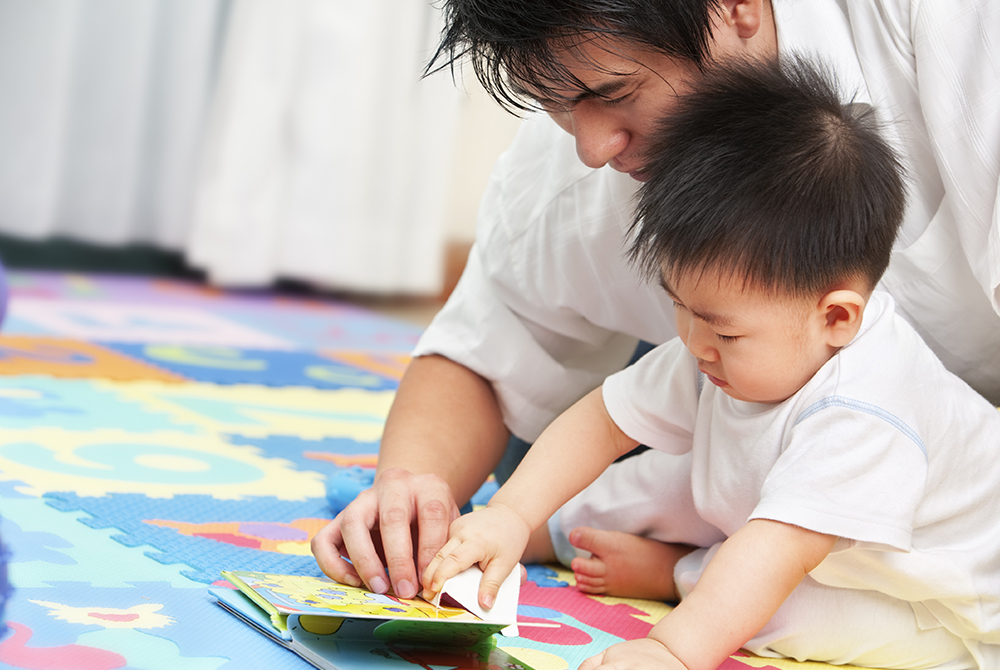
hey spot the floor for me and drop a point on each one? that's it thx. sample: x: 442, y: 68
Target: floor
x: 62, y: 254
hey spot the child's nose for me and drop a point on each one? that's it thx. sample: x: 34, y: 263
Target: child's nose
x: 700, y: 342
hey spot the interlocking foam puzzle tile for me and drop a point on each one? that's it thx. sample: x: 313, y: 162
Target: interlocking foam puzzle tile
x: 192, y: 530
x: 388, y: 364
x: 140, y: 322
x: 75, y: 404
x: 157, y: 464
x: 231, y: 365
x: 45, y: 305
x: 258, y: 411
x: 139, y: 625
x: 72, y: 358
x: 124, y: 498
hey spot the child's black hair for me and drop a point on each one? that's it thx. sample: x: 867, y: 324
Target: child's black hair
x: 762, y: 172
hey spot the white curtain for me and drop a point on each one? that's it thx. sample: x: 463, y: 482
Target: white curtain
x: 262, y: 138
x: 102, y: 107
x: 327, y: 156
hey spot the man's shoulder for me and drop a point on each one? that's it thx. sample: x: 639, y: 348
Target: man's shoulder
x: 539, y: 184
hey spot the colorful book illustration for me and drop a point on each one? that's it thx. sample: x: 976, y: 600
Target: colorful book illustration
x: 332, y: 625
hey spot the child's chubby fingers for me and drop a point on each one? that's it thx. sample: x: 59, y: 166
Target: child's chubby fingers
x: 641, y: 654
x: 494, y: 574
x: 456, y: 555
x: 593, y: 662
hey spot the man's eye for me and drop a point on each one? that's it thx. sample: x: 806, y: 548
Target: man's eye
x: 611, y: 102
x: 728, y: 339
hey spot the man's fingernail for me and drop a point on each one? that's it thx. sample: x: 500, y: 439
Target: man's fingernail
x: 379, y: 585
x: 488, y: 601
x: 404, y: 589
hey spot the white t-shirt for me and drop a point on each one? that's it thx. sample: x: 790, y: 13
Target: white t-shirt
x: 883, y: 447
x: 548, y: 307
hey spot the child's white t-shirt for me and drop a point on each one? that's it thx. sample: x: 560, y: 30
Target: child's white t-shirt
x: 882, y: 447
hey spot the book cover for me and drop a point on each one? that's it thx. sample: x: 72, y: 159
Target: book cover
x: 335, y: 626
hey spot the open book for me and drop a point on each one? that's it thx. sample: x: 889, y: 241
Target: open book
x: 332, y: 625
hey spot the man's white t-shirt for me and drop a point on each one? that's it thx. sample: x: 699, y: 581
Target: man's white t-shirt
x: 882, y: 447
x: 548, y: 307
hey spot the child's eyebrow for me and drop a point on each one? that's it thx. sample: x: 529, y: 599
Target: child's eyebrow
x: 666, y: 287
x: 709, y: 318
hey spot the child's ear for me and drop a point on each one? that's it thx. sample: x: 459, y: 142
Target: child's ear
x: 842, y: 311
x: 745, y: 16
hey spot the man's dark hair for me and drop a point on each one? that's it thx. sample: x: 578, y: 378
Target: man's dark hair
x: 762, y: 172
x: 512, y: 44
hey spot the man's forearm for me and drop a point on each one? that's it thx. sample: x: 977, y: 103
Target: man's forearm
x: 445, y: 420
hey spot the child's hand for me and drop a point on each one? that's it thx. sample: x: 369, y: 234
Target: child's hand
x: 493, y: 537
x: 644, y: 654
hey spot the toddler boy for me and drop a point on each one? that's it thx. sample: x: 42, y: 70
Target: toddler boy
x: 851, y: 478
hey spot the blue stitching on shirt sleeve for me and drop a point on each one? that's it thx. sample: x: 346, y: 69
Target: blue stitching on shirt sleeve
x: 867, y: 408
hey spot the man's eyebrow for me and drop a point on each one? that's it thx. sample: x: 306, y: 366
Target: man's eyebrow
x: 709, y: 318
x: 603, y: 90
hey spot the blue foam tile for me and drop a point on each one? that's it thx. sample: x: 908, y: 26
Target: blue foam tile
x: 232, y: 365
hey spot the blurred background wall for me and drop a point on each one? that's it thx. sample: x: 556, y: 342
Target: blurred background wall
x: 256, y: 140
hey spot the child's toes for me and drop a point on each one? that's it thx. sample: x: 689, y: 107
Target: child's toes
x: 590, y: 584
x: 597, y: 542
x: 593, y: 568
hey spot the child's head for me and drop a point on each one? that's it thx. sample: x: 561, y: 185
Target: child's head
x: 769, y: 214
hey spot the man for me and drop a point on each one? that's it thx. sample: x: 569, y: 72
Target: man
x: 548, y: 307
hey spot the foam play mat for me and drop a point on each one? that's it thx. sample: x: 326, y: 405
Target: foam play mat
x: 154, y: 433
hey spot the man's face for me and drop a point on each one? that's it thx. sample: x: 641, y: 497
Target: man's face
x: 628, y: 87
x: 754, y: 346
x: 627, y: 90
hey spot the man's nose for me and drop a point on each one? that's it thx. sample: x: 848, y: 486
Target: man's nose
x: 599, y: 135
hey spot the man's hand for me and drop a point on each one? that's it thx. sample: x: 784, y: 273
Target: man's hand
x: 644, y: 654
x: 378, y: 529
x: 493, y: 537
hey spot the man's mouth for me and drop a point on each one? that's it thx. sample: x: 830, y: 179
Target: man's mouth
x: 637, y: 173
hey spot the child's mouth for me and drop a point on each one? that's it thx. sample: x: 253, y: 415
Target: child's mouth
x: 716, y: 380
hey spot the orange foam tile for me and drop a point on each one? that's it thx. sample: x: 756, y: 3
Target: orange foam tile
x: 58, y: 357
x: 387, y: 364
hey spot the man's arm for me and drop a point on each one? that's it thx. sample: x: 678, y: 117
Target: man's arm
x: 443, y: 437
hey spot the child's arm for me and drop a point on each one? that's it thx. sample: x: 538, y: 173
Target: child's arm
x: 745, y: 583
x: 572, y: 452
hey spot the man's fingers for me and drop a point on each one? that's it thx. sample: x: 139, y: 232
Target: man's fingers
x: 435, y: 511
x: 327, y: 546
x: 356, y: 524
x: 395, y: 515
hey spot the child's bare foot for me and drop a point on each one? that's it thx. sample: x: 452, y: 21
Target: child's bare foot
x: 625, y: 565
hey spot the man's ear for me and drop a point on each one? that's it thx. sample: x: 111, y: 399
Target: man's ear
x: 745, y: 16
x: 842, y: 311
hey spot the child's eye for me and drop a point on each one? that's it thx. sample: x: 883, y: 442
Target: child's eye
x: 728, y: 339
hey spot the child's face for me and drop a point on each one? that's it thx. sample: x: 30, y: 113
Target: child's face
x: 753, y: 345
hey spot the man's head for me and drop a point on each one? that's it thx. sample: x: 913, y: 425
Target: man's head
x: 765, y: 191
x: 603, y: 69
